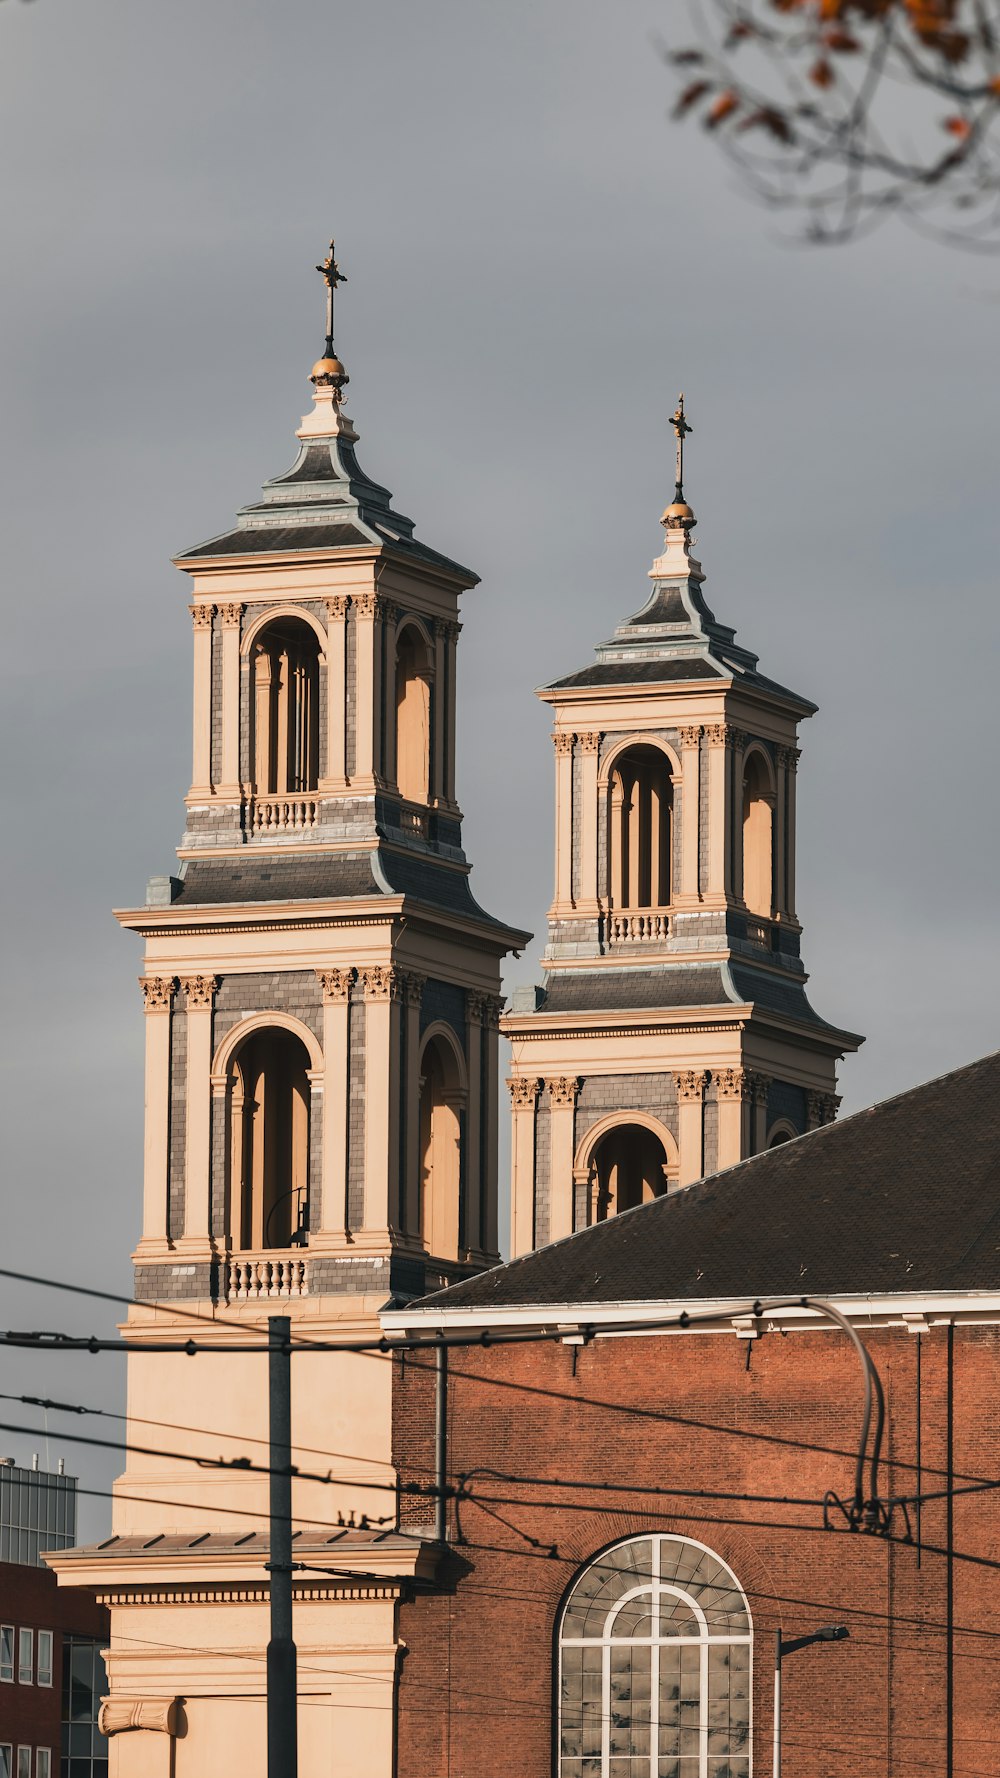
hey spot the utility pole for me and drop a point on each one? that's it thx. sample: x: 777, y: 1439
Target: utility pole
x: 282, y: 1679
x: 830, y: 1633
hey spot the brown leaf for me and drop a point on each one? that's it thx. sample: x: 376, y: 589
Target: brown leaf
x: 775, y: 122
x: 821, y: 73
x: 841, y: 42
x: 691, y: 95
x: 686, y: 58
x: 957, y: 126
x: 724, y: 106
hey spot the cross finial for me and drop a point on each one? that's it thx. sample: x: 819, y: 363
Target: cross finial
x: 681, y: 428
x: 332, y: 276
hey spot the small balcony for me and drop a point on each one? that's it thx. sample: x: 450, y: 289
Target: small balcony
x: 414, y: 819
x: 637, y: 926
x: 253, y: 1277
x: 270, y: 816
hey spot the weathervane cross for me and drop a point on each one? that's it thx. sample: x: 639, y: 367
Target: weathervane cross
x: 681, y: 427
x: 332, y: 275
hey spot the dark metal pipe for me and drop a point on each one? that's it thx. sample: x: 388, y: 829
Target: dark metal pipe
x: 282, y: 1678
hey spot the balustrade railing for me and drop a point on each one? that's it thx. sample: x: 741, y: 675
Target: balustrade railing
x: 283, y: 814
x: 758, y: 932
x: 253, y: 1276
x: 639, y: 927
x: 413, y: 820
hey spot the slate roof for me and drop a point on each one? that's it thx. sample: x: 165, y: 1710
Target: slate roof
x: 675, y: 985
x: 349, y: 1541
x: 902, y: 1197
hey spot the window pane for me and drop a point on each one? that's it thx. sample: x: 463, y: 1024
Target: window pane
x: 6, y: 1657
x: 25, y: 1658
x: 43, y: 1762
x: 44, y: 1658
x: 5, y: 1759
x: 24, y: 1762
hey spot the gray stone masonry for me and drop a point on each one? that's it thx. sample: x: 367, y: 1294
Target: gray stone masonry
x: 356, y: 1112
x: 786, y: 1100
x: 177, y: 1122
x: 602, y: 1094
x: 350, y: 675
x: 216, y: 720
x: 704, y: 816
x: 710, y: 1129
x: 542, y: 1171
x: 296, y: 992
x: 445, y: 1002
x: 168, y: 1283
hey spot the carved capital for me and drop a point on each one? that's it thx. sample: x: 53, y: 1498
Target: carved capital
x: 157, y: 992
x: 822, y: 1108
x: 718, y: 735
x: 485, y: 1009
x: 199, y: 990
x: 448, y: 628
x: 738, y: 737
x: 589, y: 743
x: 562, y: 1093
x: 336, y: 983
x: 383, y: 981
x: 231, y: 616
x: 201, y: 616
x: 524, y: 1093
x: 118, y: 1714
x: 789, y: 757
x: 760, y: 1085
x: 336, y: 607
x: 413, y: 987
x: 690, y: 1083
x: 690, y: 736
x: 366, y: 604
x: 563, y: 744
x: 732, y: 1083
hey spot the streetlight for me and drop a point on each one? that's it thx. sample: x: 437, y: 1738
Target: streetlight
x: 830, y: 1633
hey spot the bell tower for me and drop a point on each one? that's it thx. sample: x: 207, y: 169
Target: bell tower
x: 322, y: 1000
x: 672, y: 1036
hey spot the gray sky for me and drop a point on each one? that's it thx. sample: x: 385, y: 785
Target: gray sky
x: 537, y: 260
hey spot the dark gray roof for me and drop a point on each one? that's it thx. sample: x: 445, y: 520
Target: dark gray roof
x: 593, y: 990
x: 639, y: 672
x: 277, y: 539
x: 349, y: 1541
x: 902, y: 1197
x: 328, y: 875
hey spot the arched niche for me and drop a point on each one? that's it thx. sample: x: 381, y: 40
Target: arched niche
x: 413, y: 676
x: 268, y: 1097
x: 627, y: 1159
x: 442, y: 1101
x: 286, y: 653
x: 758, y: 833
x: 639, y: 795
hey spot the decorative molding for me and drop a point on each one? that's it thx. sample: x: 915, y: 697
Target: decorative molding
x: 336, y: 983
x: 690, y: 1082
x: 413, y: 987
x: 448, y: 628
x: 391, y: 612
x: 382, y: 981
x: 199, y: 991
x: 718, y: 735
x: 563, y: 744
x: 822, y: 1108
x: 563, y: 1092
x: 201, y: 616
x: 590, y: 743
x: 336, y: 606
x: 691, y: 735
x: 738, y: 737
x: 231, y: 616
x: 732, y: 1083
x: 366, y: 604
x: 485, y: 1009
x: 789, y: 757
x: 523, y: 1093
x: 157, y: 992
x: 118, y: 1714
x: 760, y: 1085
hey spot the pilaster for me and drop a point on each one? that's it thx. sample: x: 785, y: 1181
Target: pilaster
x: 690, y: 1083
x: 231, y: 616
x: 738, y: 744
x: 688, y: 895
x: 452, y: 631
x: 563, y: 744
x: 562, y: 1126
x: 409, y: 1185
x: 157, y: 997
x: 199, y: 995
x: 336, y: 695
x: 367, y: 687
x: 439, y: 698
x: 524, y: 1100
x: 201, y: 766
x: 719, y: 809
x: 333, y: 1224
x: 590, y: 745
x: 732, y: 1086
x: 760, y: 1085
x: 788, y: 762
x: 491, y: 1117
x: 382, y: 989
x: 475, y: 1005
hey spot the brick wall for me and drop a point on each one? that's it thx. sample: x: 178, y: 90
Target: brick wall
x: 716, y: 1416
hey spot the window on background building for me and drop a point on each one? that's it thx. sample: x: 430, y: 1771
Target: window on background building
x: 84, y: 1684
x: 45, y: 1657
x: 24, y: 1762
x: 654, y: 1666
x: 6, y: 1755
x: 43, y: 1762
x: 26, y: 1656
x: 6, y: 1657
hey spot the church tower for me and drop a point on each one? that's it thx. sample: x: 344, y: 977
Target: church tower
x: 322, y: 1000
x: 673, y: 1035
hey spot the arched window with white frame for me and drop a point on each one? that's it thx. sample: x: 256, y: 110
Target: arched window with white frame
x: 655, y: 1645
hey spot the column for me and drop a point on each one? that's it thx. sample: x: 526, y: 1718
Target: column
x: 719, y: 795
x: 789, y: 759
x: 491, y: 1113
x: 590, y: 746
x: 410, y: 1183
x: 473, y: 1221
x: 452, y: 632
x: 760, y: 1085
x: 157, y: 994
x: 367, y: 688
x: 438, y: 772
x: 382, y: 985
x: 388, y: 768
x: 523, y: 1098
x: 564, y: 819
x: 335, y: 777
x: 690, y: 818
x: 738, y: 743
x: 201, y: 769
x: 732, y: 1088
x: 562, y: 1148
x: 690, y: 1084
x: 199, y: 992
x: 230, y: 770
x: 333, y: 1220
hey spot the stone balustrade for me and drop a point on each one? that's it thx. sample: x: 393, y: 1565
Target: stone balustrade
x: 640, y: 926
x: 283, y: 814
x: 254, y: 1276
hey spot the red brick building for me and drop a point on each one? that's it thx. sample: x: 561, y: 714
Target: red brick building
x: 638, y: 1514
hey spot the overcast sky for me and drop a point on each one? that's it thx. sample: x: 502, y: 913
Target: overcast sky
x: 538, y: 260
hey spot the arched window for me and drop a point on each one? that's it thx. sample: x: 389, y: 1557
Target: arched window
x: 413, y: 716
x: 628, y: 1167
x: 757, y: 843
x: 654, y: 1666
x: 779, y: 1133
x: 269, y: 1098
x: 641, y: 811
x: 286, y: 709
x: 441, y: 1098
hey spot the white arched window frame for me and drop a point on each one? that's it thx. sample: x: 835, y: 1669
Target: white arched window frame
x: 655, y: 1663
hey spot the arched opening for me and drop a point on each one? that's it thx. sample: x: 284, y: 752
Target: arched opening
x: 655, y: 1660
x: 629, y: 1166
x: 413, y: 716
x: 441, y: 1098
x: 269, y: 1098
x: 641, y: 816
x: 757, y: 841
x: 286, y: 708
x: 780, y: 1133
